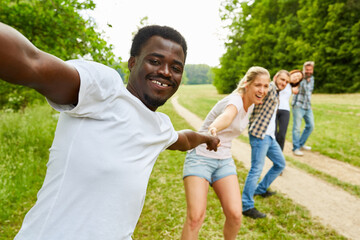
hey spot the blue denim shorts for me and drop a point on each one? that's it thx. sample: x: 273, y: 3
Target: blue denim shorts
x: 211, y: 169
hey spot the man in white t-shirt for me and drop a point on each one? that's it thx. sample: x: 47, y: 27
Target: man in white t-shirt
x: 108, y: 136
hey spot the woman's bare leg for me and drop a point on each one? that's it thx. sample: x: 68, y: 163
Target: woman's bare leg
x: 196, y: 190
x: 228, y: 191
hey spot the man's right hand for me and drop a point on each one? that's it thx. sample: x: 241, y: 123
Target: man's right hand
x: 212, y: 143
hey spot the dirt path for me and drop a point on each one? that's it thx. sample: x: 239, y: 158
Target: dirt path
x: 329, y: 204
x: 341, y: 170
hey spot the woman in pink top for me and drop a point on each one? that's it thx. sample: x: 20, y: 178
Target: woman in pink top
x: 227, y: 119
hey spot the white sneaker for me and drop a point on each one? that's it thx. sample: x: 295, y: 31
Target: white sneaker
x: 297, y: 152
x: 308, y: 148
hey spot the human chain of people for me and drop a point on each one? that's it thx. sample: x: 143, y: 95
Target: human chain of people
x: 313, y: 193
x: 109, y: 135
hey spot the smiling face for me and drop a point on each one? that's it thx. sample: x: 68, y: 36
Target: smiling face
x: 309, y: 71
x: 282, y: 80
x: 296, y: 77
x: 257, y: 90
x: 155, y: 75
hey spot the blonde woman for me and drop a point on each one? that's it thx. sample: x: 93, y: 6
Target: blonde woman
x: 202, y: 168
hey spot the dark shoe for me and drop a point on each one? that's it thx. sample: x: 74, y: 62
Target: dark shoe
x: 253, y: 213
x: 266, y: 194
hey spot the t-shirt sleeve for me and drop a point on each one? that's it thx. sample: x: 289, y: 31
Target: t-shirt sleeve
x: 236, y: 100
x: 99, y: 85
x: 174, y: 137
x: 173, y: 134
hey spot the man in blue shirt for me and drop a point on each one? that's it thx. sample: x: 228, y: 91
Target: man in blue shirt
x: 301, y: 108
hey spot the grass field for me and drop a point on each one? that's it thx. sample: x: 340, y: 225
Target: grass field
x: 337, y: 120
x: 164, y: 211
x: 26, y: 136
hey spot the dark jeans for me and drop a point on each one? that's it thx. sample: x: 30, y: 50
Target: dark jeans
x: 282, y: 122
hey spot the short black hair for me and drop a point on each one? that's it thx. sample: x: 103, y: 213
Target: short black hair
x: 147, y: 32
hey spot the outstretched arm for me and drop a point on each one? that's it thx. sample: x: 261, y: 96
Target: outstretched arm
x: 223, y: 120
x: 189, y: 139
x: 295, y: 90
x: 24, y: 64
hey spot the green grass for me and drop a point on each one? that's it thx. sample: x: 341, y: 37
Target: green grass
x: 165, y: 207
x: 26, y: 136
x: 25, y: 139
x: 337, y: 125
x: 350, y: 188
x: 198, y: 98
x: 336, y: 134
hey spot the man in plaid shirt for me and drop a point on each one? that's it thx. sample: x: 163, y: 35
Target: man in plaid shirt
x: 301, y: 108
x: 263, y: 143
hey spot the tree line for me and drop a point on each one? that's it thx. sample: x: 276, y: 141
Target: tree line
x: 60, y: 27
x: 197, y: 74
x: 283, y: 34
x: 275, y: 34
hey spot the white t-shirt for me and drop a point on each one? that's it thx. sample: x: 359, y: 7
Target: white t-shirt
x: 228, y: 134
x: 270, y: 131
x: 284, y: 97
x: 100, y: 162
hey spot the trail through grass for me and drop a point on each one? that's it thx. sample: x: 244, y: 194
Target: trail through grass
x: 337, y: 120
x: 25, y: 139
x: 165, y: 206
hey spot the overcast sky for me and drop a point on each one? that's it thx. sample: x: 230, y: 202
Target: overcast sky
x: 197, y: 20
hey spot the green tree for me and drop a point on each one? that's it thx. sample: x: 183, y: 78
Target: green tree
x: 123, y: 70
x: 338, y: 46
x: 283, y: 34
x: 184, y: 79
x: 227, y: 76
x: 56, y: 27
x: 198, y: 74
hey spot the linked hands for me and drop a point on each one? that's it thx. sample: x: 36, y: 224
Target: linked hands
x: 214, y: 142
x: 189, y: 139
x: 295, y: 90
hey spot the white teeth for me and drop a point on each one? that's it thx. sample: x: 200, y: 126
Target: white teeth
x: 159, y: 83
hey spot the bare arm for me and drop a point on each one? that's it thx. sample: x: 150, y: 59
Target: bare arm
x: 24, y: 64
x: 295, y: 90
x: 223, y: 120
x: 189, y: 139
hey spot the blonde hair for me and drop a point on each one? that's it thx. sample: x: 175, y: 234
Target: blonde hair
x: 249, y: 77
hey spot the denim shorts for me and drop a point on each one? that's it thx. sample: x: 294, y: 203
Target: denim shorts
x: 211, y: 169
